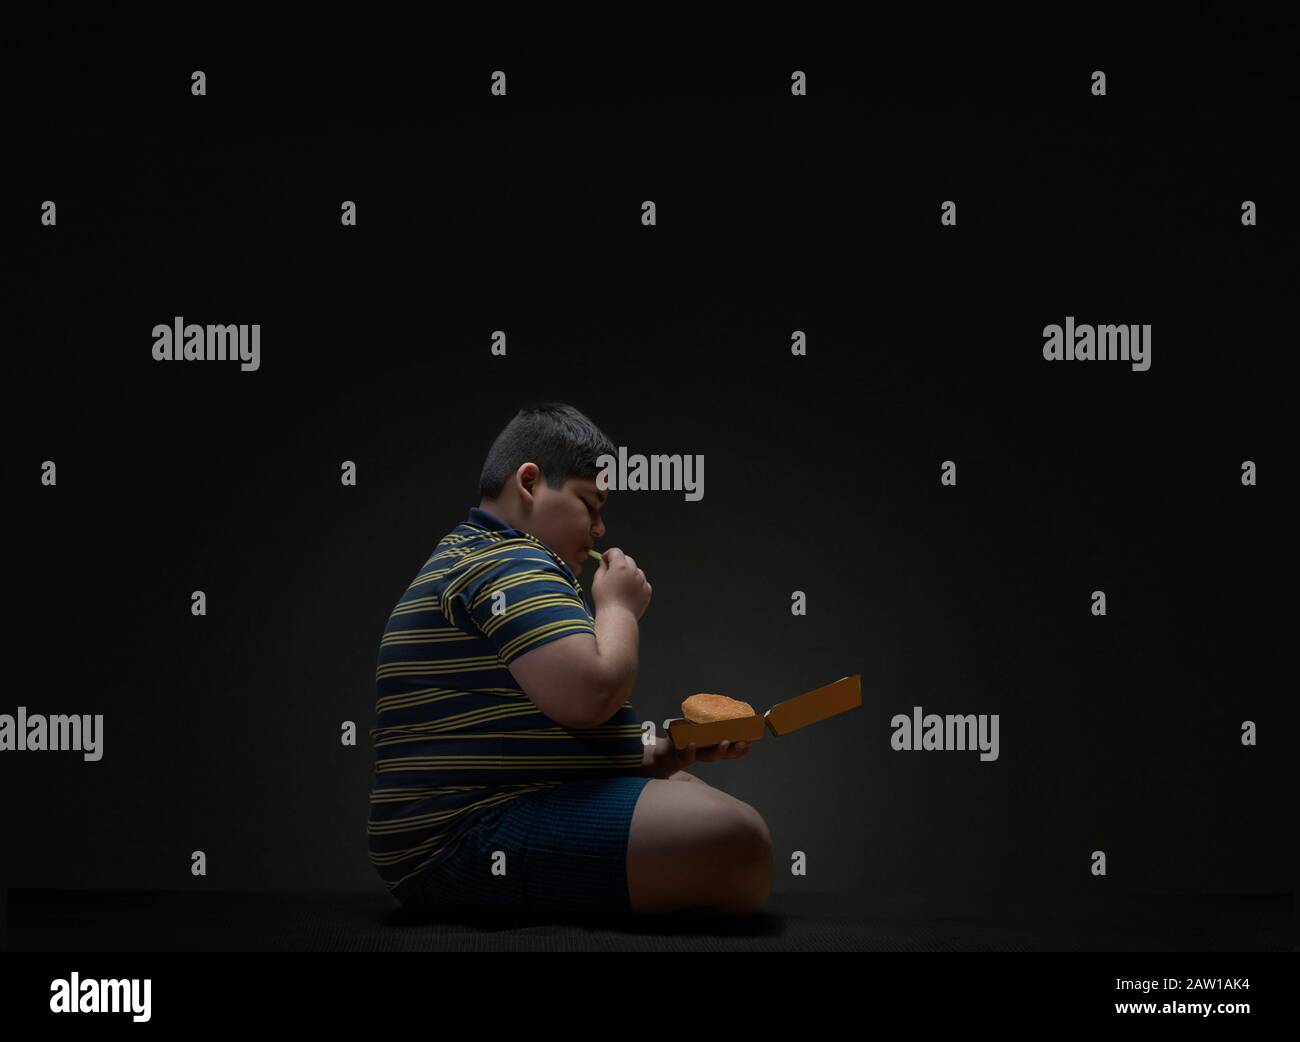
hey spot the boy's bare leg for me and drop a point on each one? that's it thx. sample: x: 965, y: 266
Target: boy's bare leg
x: 694, y: 847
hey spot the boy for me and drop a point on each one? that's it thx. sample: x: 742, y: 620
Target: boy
x: 510, y: 771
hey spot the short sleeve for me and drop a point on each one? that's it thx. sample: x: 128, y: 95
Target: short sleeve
x: 519, y: 599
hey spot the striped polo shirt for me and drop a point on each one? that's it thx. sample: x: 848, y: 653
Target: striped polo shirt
x: 454, y: 734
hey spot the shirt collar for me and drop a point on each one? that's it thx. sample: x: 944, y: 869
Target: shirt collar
x: 486, y: 519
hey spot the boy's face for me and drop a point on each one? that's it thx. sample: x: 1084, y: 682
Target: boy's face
x: 568, y: 519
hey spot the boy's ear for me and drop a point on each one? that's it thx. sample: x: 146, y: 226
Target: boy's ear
x: 528, y: 477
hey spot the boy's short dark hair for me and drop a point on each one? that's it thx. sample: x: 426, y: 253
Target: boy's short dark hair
x: 557, y: 437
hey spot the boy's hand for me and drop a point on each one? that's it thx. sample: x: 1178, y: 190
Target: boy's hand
x: 724, y: 750
x: 668, y: 759
x: 619, y: 581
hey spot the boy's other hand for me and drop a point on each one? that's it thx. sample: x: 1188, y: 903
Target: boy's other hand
x: 724, y: 750
x: 669, y: 759
x: 619, y: 581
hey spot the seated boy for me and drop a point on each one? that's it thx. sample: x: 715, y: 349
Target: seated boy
x: 510, y: 771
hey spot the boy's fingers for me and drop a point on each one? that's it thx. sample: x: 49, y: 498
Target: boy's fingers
x: 724, y: 750
x: 716, y: 752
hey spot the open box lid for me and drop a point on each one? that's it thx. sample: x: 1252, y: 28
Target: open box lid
x: 782, y: 718
x: 815, y: 705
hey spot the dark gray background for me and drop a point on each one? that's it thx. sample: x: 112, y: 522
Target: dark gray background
x: 822, y: 473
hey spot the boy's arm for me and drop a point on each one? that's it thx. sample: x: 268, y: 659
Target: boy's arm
x: 655, y: 763
x: 581, y: 681
x: 647, y: 759
x: 617, y: 639
x: 664, y: 760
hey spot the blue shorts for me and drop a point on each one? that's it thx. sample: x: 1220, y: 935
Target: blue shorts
x: 565, y: 851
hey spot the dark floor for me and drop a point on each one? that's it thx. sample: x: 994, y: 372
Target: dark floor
x: 54, y: 920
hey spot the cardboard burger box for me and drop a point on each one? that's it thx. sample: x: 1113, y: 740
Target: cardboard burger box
x: 782, y: 718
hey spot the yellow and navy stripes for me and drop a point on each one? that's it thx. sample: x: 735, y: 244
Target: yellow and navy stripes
x: 454, y: 734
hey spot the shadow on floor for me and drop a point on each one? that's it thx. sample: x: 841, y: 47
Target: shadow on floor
x: 764, y: 924
x: 89, y: 921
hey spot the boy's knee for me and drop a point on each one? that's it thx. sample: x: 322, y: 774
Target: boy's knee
x: 750, y: 833
x: 749, y: 851
x: 744, y: 887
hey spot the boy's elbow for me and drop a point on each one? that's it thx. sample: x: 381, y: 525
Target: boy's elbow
x: 564, y: 680
x: 580, y: 716
x: 594, y: 704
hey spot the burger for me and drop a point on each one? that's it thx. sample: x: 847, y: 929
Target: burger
x: 708, y: 709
